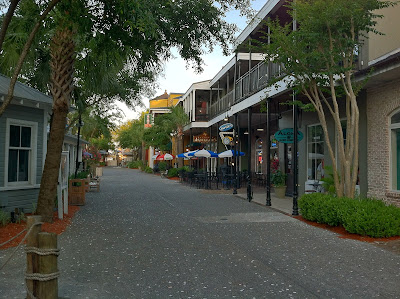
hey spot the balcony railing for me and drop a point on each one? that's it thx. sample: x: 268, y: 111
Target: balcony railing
x: 259, y: 76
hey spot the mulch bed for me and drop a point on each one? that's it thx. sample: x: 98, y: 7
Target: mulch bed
x: 391, y: 243
x: 58, y: 227
x: 174, y: 179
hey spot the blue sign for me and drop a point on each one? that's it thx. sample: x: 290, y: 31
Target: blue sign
x: 226, y: 127
x: 286, y: 135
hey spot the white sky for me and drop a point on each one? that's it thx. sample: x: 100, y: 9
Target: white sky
x: 177, y: 78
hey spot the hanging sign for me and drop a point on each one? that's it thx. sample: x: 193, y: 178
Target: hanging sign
x: 286, y: 135
x: 204, y: 138
x: 226, y: 127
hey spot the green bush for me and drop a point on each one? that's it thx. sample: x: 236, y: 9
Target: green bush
x: 135, y: 164
x: 162, y: 166
x: 321, y: 208
x: 372, y: 218
x: 148, y: 169
x: 368, y: 217
x: 5, y: 217
x: 173, y: 172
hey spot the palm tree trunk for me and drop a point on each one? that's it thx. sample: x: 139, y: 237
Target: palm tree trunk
x: 62, y: 54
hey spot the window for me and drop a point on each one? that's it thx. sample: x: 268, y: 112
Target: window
x: 20, y: 153
x: 395, y: 151
x: 315, y: 152
x: 259, y: 155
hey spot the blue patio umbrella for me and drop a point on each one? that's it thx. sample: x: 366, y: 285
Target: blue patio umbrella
x: 204, y: 154
x: 229, y: 154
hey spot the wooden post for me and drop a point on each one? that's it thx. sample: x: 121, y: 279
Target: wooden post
x: 48, y: 265
x: 32, y: 241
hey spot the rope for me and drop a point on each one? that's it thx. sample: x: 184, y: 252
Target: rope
x: 42, y: 277
x: 23, y: 240
x: 31, y: 296
x: 42, y: 251
x: 2, y: 244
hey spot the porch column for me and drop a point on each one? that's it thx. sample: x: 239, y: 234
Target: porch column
x: 294, y: 158
x: 249, y: 188
x: 234, y: 154
x: 237, y: 149
x: 268, y: 199
x: 249, y: 66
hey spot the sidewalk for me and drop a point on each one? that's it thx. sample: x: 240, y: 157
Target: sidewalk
x: 284, y: 205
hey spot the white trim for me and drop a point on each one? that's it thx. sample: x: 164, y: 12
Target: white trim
x: 392, y: 127
x: 383, y: 57
x: 264, y: 11
x: 231, y: 64
x: 33, y: 153
x: 307, y: 148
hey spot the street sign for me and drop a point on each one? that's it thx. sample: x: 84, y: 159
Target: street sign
x: 286, y: 135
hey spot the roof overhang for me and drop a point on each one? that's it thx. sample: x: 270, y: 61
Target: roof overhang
x: 255, y: 24
x: 227, y: 67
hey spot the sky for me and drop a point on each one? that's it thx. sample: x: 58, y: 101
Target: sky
x: 178, y: 78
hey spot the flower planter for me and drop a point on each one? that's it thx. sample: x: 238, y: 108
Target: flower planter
x: 76, y: 192
x: 280, y: 191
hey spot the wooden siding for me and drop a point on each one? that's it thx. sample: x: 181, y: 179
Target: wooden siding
x: 28, y: 114
x: 26, y: 199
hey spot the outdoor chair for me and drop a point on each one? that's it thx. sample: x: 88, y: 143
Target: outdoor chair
x: 94, y: 184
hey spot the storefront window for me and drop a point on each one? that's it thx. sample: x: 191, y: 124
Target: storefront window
x: 315, y: 152
x: 259, y: 155
x: 395, y: 151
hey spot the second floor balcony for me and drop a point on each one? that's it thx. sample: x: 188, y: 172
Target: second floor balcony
x: 251, y: 82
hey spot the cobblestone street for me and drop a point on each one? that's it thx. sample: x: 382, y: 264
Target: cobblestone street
x: 143, y: 236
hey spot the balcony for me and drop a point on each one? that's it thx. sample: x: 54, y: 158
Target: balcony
x: 251, y: 82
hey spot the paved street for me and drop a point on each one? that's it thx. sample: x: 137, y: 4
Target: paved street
x: 143, y: 236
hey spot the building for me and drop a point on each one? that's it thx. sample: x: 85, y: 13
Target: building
x: 23, y: 145
x: 159, y: 105
x: 239, y: 93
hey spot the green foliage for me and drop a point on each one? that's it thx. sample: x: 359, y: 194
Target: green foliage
x: 162, y: 166
x: 368, y: 217
x: 136, y: 164
x: 80, y: 175
x: 148, y: 169
x: 5, y: 217
x: 372, y: 218
x: 173, y: 172
x: 328, y: 181
x: 278, y: 178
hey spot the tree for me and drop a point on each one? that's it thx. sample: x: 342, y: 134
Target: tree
x: 132, y: 38
x: 177, y: 120
x: 320, y: 58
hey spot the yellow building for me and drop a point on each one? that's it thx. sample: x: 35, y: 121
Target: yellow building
x: 161, y: 105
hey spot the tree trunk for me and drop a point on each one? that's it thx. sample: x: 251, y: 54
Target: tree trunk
x: 62, y: 61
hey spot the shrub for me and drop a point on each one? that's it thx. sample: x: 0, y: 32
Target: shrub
x: 173, y: 172
x: 360, y: 216
x: 162, y: 166
x: 372, y: 218
x: 321, y: 208
x: 135, y: 164
x: 5, y: 217
x: 148, y: 169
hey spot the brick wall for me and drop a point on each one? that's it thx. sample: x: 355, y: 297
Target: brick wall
x: 382, y: 101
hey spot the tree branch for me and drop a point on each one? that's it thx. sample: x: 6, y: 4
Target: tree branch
x: 23, y: 55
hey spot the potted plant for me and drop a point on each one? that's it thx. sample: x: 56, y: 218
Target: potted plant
x: 278, y: 180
